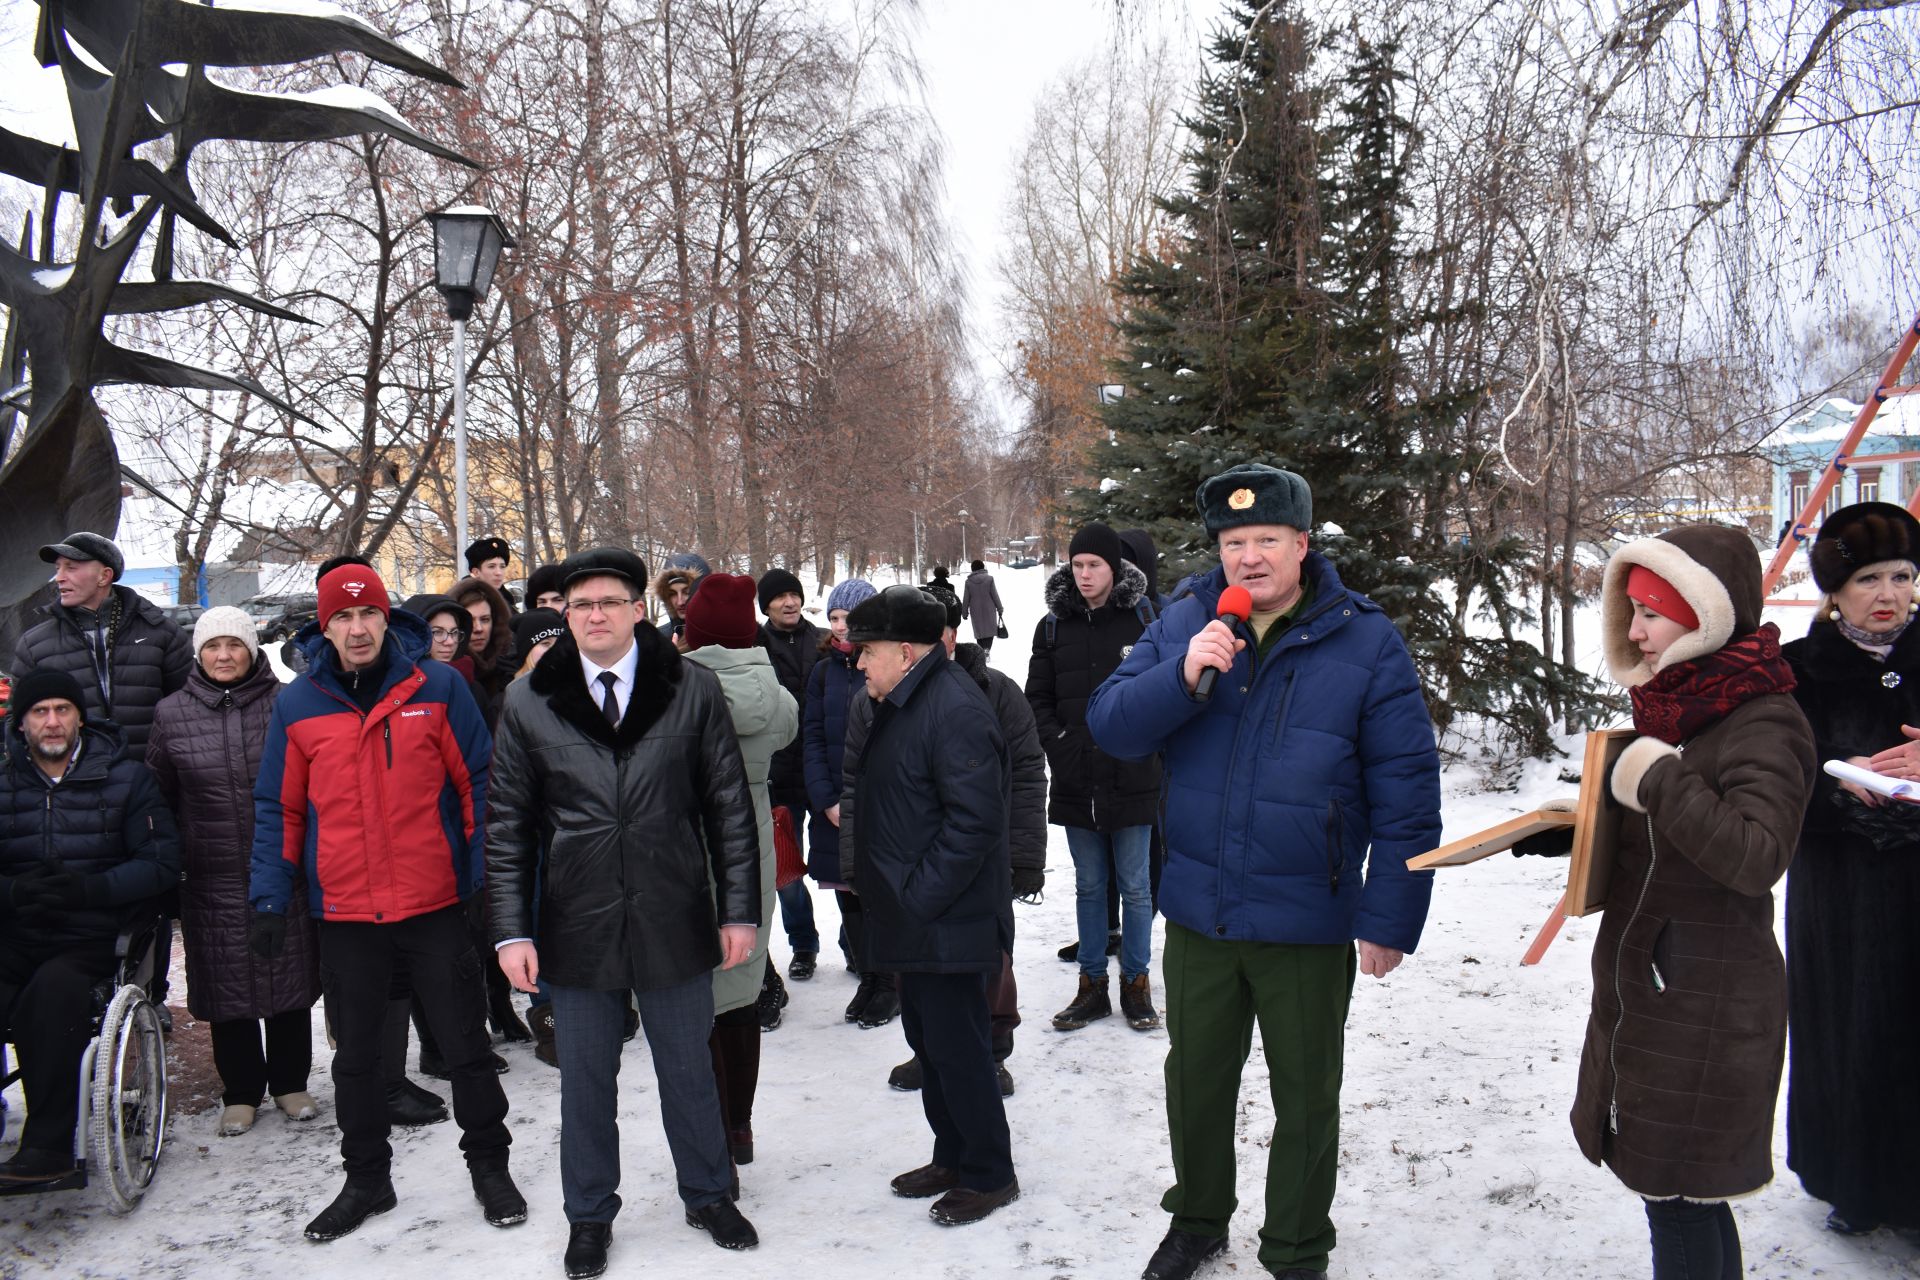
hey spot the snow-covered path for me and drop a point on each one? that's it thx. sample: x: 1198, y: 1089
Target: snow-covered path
x: 1456, y: 1160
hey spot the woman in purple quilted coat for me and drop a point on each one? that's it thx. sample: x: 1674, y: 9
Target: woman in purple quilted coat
x: 205, y: 750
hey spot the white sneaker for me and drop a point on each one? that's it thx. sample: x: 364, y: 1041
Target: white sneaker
x: 236, y: 1120
x: 297, y: 1106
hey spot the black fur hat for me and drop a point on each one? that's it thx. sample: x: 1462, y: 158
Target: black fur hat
x: 1854, y: 537
x: 902, y: 613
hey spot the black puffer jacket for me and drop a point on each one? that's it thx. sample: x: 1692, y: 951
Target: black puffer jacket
x: 634, y: 822
x: 105, y: 818
x: 794, y: 653
x: 1027, y: 826
x: 1074, y: 650
x: 205, y: 754
x: 928, y: 831
x: 150, y: 659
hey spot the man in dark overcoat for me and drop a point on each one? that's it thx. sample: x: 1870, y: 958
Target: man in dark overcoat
x: 930, y: 862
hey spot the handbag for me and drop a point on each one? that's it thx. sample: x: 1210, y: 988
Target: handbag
x: 1000, y: 632
x: 788, y: 864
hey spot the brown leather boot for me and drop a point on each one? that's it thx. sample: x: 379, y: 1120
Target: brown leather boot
x: 1136, y: 1003
x: 1090, y: 1005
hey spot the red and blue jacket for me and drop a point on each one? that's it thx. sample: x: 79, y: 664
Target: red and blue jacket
x: 385, y: 810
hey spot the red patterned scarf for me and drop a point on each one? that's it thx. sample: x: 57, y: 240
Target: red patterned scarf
x: 1690, y: 696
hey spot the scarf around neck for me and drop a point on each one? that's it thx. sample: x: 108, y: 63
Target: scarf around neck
x: 1688, y: 697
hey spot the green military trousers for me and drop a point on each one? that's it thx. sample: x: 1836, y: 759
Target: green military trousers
x: 1215, y: 991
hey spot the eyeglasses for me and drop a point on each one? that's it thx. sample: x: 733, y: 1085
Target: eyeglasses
x: 612, y: 604
x: 444, y: 633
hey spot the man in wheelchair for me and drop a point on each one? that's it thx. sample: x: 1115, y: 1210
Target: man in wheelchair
x: 84, y: 834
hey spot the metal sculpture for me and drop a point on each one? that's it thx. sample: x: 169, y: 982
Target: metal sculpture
x: 59, y: 470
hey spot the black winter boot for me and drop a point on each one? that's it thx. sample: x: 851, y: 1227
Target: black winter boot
x: 862, y: 994
x: 499, y: 1199
x: 883, y: 1005
x: 1090, y: 1005
x: 773, y: 998
x: 1180, y: 1255
x: 906, y: 1076
x: 356, y: 1202
x: 1136, y: 1003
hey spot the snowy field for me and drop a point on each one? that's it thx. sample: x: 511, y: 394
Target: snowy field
x: 1456, y: 1159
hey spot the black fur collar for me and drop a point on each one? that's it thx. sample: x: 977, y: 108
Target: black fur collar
x: 557, y: 678
x: 1064, y: 599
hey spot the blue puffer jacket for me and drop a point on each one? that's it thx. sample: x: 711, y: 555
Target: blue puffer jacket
x: 1276, y: 788
x: 823, y: 732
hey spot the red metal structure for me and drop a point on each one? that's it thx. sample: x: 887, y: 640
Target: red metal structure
x: 1803, y: 526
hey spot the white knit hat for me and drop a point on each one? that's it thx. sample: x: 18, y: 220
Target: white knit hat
x: 225, y: 620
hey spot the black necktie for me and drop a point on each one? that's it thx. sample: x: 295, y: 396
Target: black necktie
x: 610, y: 705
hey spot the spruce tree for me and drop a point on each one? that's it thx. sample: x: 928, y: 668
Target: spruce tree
x: 1277, y: 331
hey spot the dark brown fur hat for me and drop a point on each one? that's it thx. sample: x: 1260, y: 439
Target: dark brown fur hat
x: 1854, y: 537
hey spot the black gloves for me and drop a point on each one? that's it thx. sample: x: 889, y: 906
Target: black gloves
x: 268, y: 935
x: 1027, y: 883
x: 51, y: 887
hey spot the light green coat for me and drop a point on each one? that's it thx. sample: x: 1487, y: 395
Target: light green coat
x: 765, y: 719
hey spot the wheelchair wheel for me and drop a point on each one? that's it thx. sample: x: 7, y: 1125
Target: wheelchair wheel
x: 129, y: 1099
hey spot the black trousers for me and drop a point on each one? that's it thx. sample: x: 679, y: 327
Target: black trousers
x: 946, y: 1021
x: 356, y: 972
x: 249, y: 1072
x: 46, y: 1012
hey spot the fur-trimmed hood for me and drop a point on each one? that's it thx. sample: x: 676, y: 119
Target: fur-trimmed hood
x: 666, y: 580
x: 1715, y: 568
x: 1064, y: 598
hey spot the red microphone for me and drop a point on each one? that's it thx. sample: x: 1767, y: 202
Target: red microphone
x: 1235, y: 603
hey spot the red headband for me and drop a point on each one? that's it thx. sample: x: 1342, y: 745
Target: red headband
x: 1659, y: 595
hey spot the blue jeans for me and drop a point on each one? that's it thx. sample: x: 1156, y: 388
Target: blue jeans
x: 796, y: 913
x: 587, y: 1026
x: 1126, y: 849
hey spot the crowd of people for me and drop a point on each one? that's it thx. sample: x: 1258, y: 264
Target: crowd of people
x: 456, y: 799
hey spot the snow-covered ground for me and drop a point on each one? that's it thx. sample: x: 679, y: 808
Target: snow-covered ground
x: 1456, y: 1160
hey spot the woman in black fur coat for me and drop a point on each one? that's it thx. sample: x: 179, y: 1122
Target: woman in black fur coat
x: 1853, y: 948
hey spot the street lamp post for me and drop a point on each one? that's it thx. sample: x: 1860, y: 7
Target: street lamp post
x: 963, y: 535
x: 467, y: 241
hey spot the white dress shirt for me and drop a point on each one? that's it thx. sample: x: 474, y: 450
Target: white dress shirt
x: 624, y: 667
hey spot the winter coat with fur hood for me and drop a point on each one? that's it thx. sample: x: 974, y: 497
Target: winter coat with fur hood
x: 648, y: 829
x: 1074, y: 650
x: 1681, y: 1065
x: 205, y: 752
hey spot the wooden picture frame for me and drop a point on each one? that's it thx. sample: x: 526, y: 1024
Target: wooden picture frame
x: 1495, y: 839
x: 1596, y: 824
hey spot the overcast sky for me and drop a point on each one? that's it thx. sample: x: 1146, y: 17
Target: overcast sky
x: 985, y: 63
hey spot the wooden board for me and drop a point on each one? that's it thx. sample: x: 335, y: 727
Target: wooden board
x: 1596, y: 824
x: 1484, y: 844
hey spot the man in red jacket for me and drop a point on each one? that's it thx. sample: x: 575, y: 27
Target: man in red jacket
x: 374, y: 780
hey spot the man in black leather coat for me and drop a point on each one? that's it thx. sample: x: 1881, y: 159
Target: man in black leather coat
x: 624, y: 757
